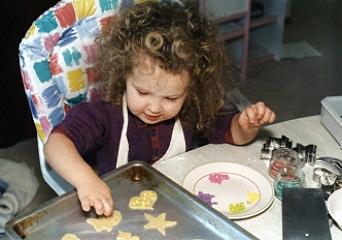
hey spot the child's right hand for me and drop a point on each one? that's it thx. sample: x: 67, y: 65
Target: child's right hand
x: 95, y: 193
x: 91, y: 190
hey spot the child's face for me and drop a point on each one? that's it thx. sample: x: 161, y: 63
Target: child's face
x: 154, y: 95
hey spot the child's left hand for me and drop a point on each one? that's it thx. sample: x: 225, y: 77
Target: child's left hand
x: 256, y: 115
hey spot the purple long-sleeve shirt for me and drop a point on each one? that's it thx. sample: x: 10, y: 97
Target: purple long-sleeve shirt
x: 97, y: 127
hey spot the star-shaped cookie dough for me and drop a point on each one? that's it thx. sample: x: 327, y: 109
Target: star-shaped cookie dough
x: 159, y: 223
x: 126, y: 236
x: 104, y: 223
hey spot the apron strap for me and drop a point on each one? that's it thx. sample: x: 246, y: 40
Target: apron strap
x: 177, y: 143
x: 123, y: 145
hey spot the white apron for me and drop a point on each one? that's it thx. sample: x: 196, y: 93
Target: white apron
x: 177, y: 144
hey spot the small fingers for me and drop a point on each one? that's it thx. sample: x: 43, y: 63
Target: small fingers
x: 260, y: 110
x: 101, y: 206
x: 95, y: 193
x: 243, y: 120
x: 256, y: 114
x: 268, y: 117
x: 108, y: 208
x: 249, y: 116
x: 273, y: 117
x: 86, y: 205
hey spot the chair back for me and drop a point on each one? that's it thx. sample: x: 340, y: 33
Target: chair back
x: 56, y: 62
x: 57, y: 58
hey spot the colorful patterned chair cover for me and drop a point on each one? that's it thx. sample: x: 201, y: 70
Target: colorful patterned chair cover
x: 56, y: 61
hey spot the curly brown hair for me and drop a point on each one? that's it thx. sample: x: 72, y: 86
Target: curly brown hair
x: 179, y: 37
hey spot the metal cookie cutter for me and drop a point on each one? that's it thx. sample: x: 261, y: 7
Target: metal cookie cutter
x: 327, y: 170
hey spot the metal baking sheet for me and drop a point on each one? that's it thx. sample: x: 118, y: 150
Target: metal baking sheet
x: 62, y: 215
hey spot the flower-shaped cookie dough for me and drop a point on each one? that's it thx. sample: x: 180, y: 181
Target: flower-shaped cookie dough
x: 104, y: 223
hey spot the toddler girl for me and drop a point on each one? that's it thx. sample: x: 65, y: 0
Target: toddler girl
x: 161, y: 64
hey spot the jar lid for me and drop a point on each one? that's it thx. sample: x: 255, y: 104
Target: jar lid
x: 283, y: 157
x: 286, y: 155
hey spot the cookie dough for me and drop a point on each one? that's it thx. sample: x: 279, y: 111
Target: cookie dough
x: 159, y: 223
x: 104, y: 223
x: 146, y: 200
x: 253, y: 197
x: 126, y: 236
x: 70, y: 236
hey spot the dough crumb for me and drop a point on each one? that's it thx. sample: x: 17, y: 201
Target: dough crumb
x: 126, y: 236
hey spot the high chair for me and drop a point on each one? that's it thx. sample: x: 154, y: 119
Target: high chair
x: 56, y: 62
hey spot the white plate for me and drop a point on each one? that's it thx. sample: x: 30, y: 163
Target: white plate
x: 335, y: 206
x: 226, y: 183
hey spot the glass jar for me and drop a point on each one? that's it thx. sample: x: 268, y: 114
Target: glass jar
x: 288, y: 177
x: 282, y: 157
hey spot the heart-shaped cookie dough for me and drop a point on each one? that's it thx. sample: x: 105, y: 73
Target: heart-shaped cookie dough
x: 145, y: 201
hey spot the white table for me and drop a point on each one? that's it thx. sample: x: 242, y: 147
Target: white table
x: 267, y: 225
